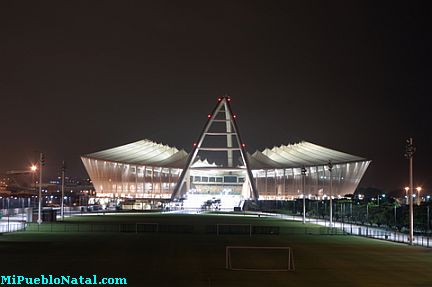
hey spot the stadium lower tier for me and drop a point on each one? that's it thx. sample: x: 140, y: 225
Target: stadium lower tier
x: 118, y: 180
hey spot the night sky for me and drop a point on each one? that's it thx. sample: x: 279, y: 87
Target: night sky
x: 78, y: 77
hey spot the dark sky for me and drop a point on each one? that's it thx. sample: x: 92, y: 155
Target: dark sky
x: 77, y: 77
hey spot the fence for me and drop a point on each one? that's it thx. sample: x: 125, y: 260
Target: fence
x: 350, y: 228
x: 338, y: 228
x: 11, y: 227
x: 154, y: 227
x: 419, y: 240
x: 15, y: 211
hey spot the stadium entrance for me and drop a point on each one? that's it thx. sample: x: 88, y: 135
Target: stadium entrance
x: 216, y: 190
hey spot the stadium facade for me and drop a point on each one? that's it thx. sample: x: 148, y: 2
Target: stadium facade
x: 149, y: 170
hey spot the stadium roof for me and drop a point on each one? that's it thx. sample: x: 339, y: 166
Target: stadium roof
x: 144, y: 152
x: 149, y: 153
x: 298, y: 155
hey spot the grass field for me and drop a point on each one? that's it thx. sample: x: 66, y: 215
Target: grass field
x: 198, y: 258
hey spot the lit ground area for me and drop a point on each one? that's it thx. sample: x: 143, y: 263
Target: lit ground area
x: 187, y: 252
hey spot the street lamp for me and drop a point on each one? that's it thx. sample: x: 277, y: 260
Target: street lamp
x: 330, y: 168
x: 418, y: 194
x: 395, y: 208
x: 409, y: 153
x: 303, y: 172
x: 33, y: 169
x: 41, y: 164
x: 406, y: 193
x: 63, y: 170
x: 383, y: 196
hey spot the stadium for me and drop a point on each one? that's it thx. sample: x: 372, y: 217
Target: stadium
x: 219, y: 167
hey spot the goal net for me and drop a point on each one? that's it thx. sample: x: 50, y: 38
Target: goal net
x: 259, y: 258
x: 234, y: 229
x: 147, y: 227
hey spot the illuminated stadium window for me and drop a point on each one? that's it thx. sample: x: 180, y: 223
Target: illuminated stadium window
x: 197, y: 178
x: 279, y: 172
x: 230, y: 179
x: 148, y: 186
x: 204, y: 179
x: 212, y: 179
x: 260, y: 173
x: 219, y: 179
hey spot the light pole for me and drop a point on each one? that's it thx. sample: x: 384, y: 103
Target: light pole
x: 383, y: 197
x: 41, y: 164
x: 8, y: 206
x: 33, y: 169
x: 303, y: 172
x: 395, y: 207
x: 427, y: 219
x: 367, y: 212
x: 409, y: 153
x: 330, y: 168
x: 406, y: 194
x: 63, y: 170
x: 418, y: 188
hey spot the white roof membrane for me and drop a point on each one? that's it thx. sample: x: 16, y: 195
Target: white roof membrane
x: 298, y: 155
x: 144, y: 152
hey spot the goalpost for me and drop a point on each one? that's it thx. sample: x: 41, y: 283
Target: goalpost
x: 287, y: 264
x: 234, y: 229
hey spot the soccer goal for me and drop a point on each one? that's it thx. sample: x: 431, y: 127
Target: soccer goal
x: 234, y: 229
x: 147, y: 227
x: 259, y: 258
